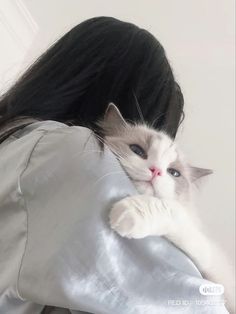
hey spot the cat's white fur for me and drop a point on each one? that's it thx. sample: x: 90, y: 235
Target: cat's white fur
x: 163, y: 206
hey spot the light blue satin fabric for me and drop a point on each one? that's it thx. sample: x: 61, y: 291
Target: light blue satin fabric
x: 56, y: 247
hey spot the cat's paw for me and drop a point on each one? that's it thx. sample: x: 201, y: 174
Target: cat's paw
x: 127, y: 220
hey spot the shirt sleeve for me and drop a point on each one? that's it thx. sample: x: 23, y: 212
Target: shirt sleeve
x: 72, y: 258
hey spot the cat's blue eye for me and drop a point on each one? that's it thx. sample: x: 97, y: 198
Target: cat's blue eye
x: 174, y: 172
x: 138, y: 150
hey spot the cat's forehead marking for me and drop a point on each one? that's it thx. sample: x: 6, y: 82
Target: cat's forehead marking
x: 141, y: 134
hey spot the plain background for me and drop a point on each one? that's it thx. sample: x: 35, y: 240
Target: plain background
x: 199, y: 38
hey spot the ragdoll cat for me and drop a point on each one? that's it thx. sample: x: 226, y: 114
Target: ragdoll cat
x: 165, y: 182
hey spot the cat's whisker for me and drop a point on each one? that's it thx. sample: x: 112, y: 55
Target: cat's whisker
x: 108, y: 174
x: 138, y: 108
x: 85, y: 152
x: 101, y: 139
x: 164, y: 127
x: 158, y: 117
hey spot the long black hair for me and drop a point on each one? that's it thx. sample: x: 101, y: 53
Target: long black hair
x: 99, y: 61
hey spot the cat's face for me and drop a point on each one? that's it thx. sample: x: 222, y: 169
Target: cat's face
x: 150, y: 158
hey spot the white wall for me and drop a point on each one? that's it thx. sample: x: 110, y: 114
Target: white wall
x: 199, y: 38
x: 17, y: 31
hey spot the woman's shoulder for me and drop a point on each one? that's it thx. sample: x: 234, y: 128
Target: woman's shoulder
x: 28, y: 138
x: 55, y: 138
x: 49, y: 127
x: 45, y: 144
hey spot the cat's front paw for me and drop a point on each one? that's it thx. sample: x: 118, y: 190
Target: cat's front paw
x: 127, y: 220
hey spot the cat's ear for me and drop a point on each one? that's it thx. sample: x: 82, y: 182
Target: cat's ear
x: 113, y: 116
x: 197, y: 173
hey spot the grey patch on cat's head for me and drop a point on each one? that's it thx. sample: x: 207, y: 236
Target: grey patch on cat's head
x: 113, y: 121
x: 190, y: 176
x: 197, y: 173
x: 113, y: 116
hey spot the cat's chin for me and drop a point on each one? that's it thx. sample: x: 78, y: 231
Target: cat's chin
x: 144, y: 187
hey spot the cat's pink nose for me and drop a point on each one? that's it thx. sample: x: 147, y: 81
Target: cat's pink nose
x: 155, y: 172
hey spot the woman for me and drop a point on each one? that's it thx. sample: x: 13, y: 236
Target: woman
x: 56, y: 189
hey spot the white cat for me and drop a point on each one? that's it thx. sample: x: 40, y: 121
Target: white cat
x: 165, y: 182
